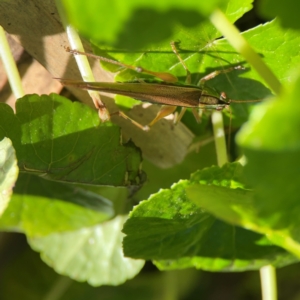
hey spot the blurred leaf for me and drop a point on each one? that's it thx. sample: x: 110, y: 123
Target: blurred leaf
x: 65, y: 141
x: 169, y: 227
x: 92, y: 254
x: 148, y: 22
x: 287, y: 12
x: 8, y: 172
x: 271, y: 142
x: 40, y: 207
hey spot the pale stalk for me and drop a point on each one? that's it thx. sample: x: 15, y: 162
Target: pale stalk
x: 241, y: 45
x: 268, y: 283
x: 219, y: 136
x: 86, y: 71
x: 10, y: 66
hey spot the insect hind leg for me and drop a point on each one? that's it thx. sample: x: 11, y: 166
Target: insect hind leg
x: 135, y: 123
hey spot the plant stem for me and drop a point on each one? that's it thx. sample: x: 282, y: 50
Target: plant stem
x: 58, y: 289
x: 81, y: 60
x: 170, y: 291
x: 268, y: 282
x: 240, y: 44
x: 219, y: 135
x: 10, y: 66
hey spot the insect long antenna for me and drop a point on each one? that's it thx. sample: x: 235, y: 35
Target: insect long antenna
x: 246, y: 101
x: 229, y: 134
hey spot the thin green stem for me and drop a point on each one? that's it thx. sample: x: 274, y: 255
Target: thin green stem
x: 219, y: 135
x: 268, y: 283
x: 170, y: 291
x: 58, y: 289
x: 10, y: 66
x: 240, y: 44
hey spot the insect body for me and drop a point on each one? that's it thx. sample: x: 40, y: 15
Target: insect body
x: 159, y: 93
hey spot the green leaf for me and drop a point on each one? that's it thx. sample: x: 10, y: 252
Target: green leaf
x: 39, y: 207
x: 65, y: 141
x: 236, y: 257
x: 8, y: 172
x: 173, y: 230
x: 138, y: 24
x: 287, y: 12
x: 91, y: 254
x: 272, y: 124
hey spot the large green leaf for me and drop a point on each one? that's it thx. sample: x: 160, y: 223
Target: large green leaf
x: 40, y: 207
x: 8, y: 172
x: 65, y: 141
x: 171, y: 229
x: 91, y: 254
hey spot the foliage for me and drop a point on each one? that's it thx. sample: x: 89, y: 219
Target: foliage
x: 236, y: 217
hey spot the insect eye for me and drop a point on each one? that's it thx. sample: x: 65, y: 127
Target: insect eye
x: 139, y: 69
x: 223, y: 96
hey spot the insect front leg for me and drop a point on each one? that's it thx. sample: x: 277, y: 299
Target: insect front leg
x: 197, y: 112
x: 135, y: 123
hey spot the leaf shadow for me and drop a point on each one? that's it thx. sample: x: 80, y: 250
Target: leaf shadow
x: 136, y: 32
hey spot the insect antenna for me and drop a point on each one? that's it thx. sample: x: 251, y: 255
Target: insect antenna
x: 245, y: 101
x: 229, y: 133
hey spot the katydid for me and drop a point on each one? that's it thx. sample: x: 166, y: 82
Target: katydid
x: 168, y: 92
